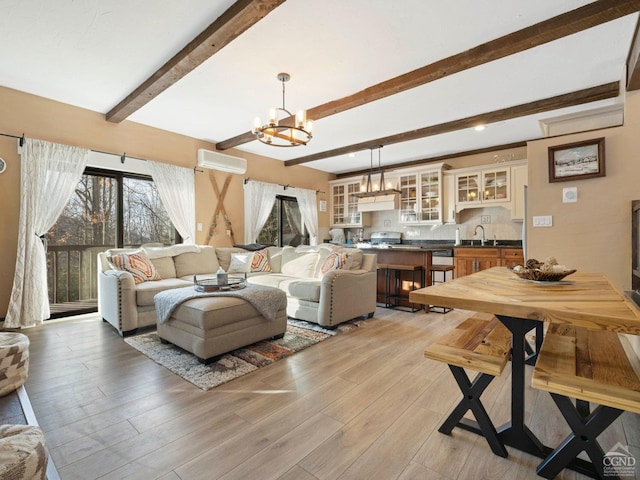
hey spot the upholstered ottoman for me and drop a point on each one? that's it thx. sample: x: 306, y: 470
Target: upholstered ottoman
x: 23, y: 455
x: 14, y: 361
x: 211, y: 326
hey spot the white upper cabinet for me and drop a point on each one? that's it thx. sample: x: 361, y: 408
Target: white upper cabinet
x: 344, y: 205
x: 483, y: 186
x: 421, y: 195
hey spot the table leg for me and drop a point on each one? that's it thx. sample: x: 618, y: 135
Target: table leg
x: 515, y: 433
x: 532, y: 355
x: 583, y: 437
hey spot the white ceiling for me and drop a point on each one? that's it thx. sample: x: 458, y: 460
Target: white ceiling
x: 93, y: 53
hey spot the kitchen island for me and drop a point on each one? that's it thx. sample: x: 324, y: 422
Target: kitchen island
x: 422, y: 253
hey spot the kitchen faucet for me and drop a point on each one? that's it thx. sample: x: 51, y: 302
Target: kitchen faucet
x: 475, y: 232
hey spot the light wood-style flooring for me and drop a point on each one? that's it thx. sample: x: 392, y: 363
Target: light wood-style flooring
x: 361, y: 405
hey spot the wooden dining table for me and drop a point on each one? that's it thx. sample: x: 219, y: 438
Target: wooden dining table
x: 582, y: 299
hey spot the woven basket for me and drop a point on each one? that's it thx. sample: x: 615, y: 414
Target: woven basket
x: 540, y: 276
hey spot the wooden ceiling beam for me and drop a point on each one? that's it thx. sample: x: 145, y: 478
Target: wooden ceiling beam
x: 633, y: 61
x: 228, y: 26
x: 588, y: 95
x: 560, y: 26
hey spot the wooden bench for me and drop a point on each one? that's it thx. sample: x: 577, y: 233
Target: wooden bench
x: 589, y: 366
x: 483, y: 344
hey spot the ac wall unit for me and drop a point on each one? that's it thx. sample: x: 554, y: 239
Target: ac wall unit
x: 220, y: 161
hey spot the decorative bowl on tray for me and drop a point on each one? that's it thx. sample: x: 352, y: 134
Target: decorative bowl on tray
x: 547, y: 271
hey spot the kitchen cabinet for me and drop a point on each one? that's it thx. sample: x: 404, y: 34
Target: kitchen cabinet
x: 421, y: 196
x: 511, y: 256
x: 519, y: 177
x: 344, y: 205
x: 483, y: 187
x: 474, y: 259
x: 449, y: 198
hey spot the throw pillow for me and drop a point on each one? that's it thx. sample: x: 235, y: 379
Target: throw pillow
x: 137, y: 264
x: 299, y: 264
x: 260, y: 261
x: 335, y: 261
x: 240, y: 262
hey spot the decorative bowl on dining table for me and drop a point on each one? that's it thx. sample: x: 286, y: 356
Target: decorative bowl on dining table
x: 547, y: 271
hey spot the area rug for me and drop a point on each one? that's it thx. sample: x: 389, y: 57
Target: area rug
x: 299, y: 335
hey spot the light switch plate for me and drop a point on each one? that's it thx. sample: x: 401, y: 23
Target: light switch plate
x: 485, y: 219
x: 543, y: 221
x: 323, y: 205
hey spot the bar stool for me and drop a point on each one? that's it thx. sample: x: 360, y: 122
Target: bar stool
x: 435, y: 269
x: 382, y: 267
x: 393, y: 285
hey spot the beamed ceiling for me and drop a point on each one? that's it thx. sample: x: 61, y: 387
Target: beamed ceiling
x: 413, y: 75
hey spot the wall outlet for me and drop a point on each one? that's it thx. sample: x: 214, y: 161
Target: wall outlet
x: 543, y: 221
x: 485, y: 219
x: 199, y: 227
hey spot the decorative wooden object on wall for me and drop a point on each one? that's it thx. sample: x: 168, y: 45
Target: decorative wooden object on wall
x: 219, y: 208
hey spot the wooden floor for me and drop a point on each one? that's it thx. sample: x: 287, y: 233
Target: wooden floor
x: 361, y: 405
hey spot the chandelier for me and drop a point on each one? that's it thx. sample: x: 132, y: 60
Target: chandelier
x: 370, y: 189
x: 369, y: 186
x: 288, y: 131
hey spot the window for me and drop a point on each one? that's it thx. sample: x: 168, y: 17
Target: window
x: 284, y: 225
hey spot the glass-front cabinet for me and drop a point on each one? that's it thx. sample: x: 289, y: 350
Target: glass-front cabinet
x: 496, y: 185
x: 469, y: 188
x: 344, y: 205
x: 408, y: 186
x: 421, y: 196
x: 482, y: 187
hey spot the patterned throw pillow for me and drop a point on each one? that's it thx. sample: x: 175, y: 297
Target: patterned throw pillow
x: 335, y: 261
x: 260, y: 261
x: 137, y: 264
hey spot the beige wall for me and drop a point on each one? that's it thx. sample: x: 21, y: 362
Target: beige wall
x: 593, y: 234
x: 45, y: 119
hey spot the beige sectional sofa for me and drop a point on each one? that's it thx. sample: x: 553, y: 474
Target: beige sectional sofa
x: 324, y: 284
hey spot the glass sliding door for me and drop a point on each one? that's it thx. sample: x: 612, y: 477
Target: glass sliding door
x: 145, y: 219
x: 108, y: 209
x: 284, y: 225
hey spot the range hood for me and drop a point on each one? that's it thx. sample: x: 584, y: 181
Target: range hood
x: 378, y: 201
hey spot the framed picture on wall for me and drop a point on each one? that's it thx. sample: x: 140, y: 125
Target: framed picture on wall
x: 577, y: 161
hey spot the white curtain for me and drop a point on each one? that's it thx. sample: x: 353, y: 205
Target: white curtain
x: 176, y: 189
x: 49, y: 174
x: 309, y: 210
x: 259, y: 198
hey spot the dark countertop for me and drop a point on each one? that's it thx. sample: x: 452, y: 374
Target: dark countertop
x: 435, y: 245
